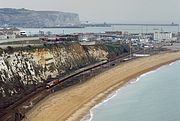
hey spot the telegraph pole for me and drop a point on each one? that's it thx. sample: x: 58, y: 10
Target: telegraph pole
x: 130, y: 46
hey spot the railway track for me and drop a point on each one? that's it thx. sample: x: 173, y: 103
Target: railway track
x: 16, y: 112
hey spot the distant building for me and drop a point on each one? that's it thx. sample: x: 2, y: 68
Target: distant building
x: 60, y: 39
x: 144, y: 40
x: 178, y: 33
x: 163, y: 36
x: 88, y: 42
x: 9, y: 33
x: 23, y: 34
x: 87, y: 37
x: 114, y: 32
x: 125, y: 33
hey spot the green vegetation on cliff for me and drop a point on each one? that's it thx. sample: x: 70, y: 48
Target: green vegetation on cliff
x: 23, y: 70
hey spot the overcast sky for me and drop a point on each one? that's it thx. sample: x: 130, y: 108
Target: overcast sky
x: 119, y: 11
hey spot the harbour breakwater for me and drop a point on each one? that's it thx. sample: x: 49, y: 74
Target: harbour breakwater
x: 23, y: 70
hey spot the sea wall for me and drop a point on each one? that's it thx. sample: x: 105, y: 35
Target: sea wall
x: 23, y: 70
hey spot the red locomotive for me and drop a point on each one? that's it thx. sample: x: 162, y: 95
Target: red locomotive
x: 52, y: 83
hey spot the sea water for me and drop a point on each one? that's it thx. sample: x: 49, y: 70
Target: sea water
x: 154, y: 96
x: 123, y: 28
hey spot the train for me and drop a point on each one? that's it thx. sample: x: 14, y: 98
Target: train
x: 58, y: 81
x: 62, y: 79
x: 52, y: 83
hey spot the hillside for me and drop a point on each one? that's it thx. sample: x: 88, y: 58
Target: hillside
x: 30, y: 18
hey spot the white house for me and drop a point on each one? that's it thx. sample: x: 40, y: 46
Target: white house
x: 9, y: 33
x: 163, y: 36
x: 2, y: 36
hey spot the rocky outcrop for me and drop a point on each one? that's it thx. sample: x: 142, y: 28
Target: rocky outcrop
x: 31, y: 18
x: 22, y: 70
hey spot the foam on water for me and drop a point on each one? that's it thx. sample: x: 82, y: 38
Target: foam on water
x: 89, y: 116
x: 173, y: 63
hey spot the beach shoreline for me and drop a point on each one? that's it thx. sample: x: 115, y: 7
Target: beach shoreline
x: 73, y: 103
x: 112, y: 94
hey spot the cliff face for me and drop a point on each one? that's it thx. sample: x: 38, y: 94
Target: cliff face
x: 23, y: 70
x: 31, y: 18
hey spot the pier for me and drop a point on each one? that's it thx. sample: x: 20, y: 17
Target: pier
x: 143, y: 24
x: 123, y: 24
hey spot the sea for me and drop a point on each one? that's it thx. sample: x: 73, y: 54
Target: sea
x: 123, y: 28
x: 153, y: 96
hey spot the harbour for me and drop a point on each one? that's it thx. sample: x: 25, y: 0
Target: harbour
x: 129, y: 28
x: 113, y: 60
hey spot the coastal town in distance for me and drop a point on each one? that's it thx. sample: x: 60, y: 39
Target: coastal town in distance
x: 55, y: 66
